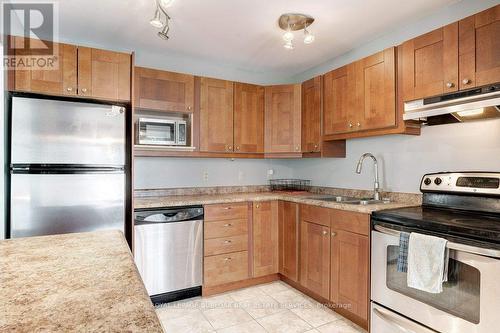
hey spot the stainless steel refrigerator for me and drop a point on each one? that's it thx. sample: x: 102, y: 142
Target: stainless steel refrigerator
x: 67, y: 167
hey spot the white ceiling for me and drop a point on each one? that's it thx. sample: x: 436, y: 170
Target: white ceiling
x: 238, y: 34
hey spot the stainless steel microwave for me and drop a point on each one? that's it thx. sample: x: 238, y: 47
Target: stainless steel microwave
x: 157, y: 131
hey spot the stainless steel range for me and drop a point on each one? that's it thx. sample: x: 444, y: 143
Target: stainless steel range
x: 463, y: 208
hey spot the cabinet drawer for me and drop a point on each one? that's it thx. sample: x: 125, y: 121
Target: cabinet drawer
x: 315, y: 214
x: 226, y: 228
x: 226, y: 212
x: 350, y: 221
x: 225, y: 268
x: 226, y: 245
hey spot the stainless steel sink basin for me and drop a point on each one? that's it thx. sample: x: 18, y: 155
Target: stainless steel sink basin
x: 368, y: 202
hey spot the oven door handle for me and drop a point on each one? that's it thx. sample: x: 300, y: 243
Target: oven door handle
x: 396, y: 322
x: 452, y: 246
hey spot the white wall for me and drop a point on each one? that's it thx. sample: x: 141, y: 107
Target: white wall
x: 162, y: 172
x: 403, y: 160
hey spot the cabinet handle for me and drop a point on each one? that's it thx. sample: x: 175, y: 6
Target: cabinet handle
x: 189, y: 108
x: 227, y: 259
x: 227, y: 242
x: 257, y: 206
x: 350, y: 125
x: 228, y: 225
x: 69, y: 89
x: 358, y: 124
x: 237, y: 147
x: 227, y: 208
x: 316, y: 146
x: 229, y: 148
x: 465, y: 81
x: 450, y: 85
x: 334, y: 234
x: 83, y: 90
x: 297, y: 147
x: 325, y: 232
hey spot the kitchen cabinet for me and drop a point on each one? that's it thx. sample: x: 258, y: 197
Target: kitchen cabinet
x: 81, y: 71
x: 315, y: 250
x: 265, y: 238
x: 338, y: 103
x: 248, y: 118
x: 429, y: 64
x: 350, y: 261
x: 362, y: 95
x: 226, y: 255
x: 288, y: 239
x: 163, y: 91
x: 479, y: 49
x: 311, y: 115
x: 216, y: 115
x: 61, y: 80
x: 104, y: 74
x: 283, y: 119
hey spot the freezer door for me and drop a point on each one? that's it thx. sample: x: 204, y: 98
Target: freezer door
x: 58, y: 132
x: 169, y: 256
x: 46, y: 204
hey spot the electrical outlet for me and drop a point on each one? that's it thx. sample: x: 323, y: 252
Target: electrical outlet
x: 205, y: 176
x: 270, y: 173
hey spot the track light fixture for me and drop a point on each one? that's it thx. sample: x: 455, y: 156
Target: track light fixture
x: 293, y: 22
x: 161, y: 19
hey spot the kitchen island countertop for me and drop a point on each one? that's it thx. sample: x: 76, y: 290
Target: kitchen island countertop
x: 72, y: 283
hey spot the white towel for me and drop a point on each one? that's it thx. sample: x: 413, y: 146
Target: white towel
x: 427, y: 263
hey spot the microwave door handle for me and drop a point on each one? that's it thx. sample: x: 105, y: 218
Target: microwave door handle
x: 452, y: 246
x: 397, y: 322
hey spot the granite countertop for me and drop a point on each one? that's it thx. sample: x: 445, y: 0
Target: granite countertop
x: 300, y: 197
x: 72, y: 283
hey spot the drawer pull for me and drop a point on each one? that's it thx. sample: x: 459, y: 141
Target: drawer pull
x: 227, y: 259
x: 227, y: 208
x: 228, y: 225
x: 334, y: 234
x: 227, y: 242
x: 325, y: 232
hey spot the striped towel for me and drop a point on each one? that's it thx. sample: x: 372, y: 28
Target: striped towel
x: 402, y: 265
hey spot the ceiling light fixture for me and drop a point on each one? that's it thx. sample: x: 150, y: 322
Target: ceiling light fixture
x: 293, y: 22
x: 161, y: 19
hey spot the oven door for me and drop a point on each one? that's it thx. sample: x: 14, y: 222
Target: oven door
x: 470, y: 300
x: 157, y: 131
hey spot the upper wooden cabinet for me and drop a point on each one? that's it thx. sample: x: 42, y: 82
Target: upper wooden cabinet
x: 80, y: 71
x: 288, y: 220
x: 216, y: 115
x: 265, y: 238
x: 104, y: 74
x: 429, y: 63
x: 376, y: 91
x: 311, y: 115
x: 479, y: 49
x: 362, y: 95
x: 283, y: 119
x: 248, y: 118
x: 163, y: 91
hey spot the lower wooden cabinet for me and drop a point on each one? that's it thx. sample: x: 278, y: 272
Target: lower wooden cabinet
x: 350, y: 262
x: 315, y: 258
x: 225, y: 268
x: 265, y: 238
x: 288, y: 239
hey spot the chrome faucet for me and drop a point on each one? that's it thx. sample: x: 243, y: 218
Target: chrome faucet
x: 376, y: 185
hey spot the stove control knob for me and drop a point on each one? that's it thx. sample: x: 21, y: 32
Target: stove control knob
x: 427, y: 181
x: 437, y: 181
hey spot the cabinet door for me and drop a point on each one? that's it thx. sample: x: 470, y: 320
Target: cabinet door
x: 350, y: 275
x: 315, y: 258
x: 430, y: 63
x: 338, y: 102
x: 265, y: 238
x: 104, y: 74
x: 288, y: 239
x: 163, y: 91
x: 60, y: 80
x: 376, y: 91
x: 479, y: 48
x: 248, y: 118
x: 216, y: 115
x: 311, y: 115
x: 282, y: 114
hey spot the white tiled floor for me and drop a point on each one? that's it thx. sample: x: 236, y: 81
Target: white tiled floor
x: 273, y: 307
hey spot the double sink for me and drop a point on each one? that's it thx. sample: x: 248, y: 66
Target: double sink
x: 347, y: 199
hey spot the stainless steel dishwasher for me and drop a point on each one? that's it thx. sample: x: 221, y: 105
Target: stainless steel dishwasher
x: 168, y: 252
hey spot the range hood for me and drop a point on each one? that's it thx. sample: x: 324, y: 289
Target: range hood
x: 468, y: 105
